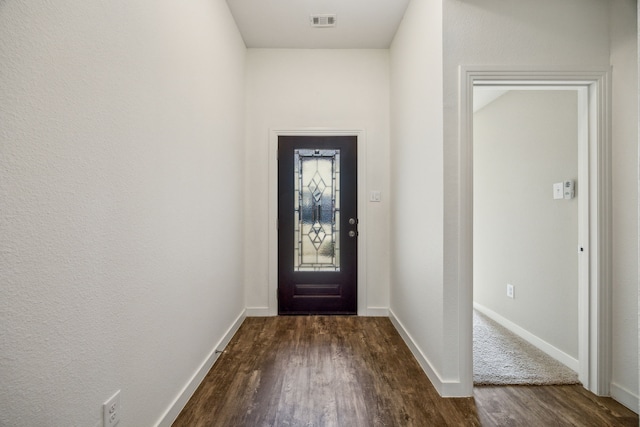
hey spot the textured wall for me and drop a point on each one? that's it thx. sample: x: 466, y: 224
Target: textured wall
x: 416, y: 167
x: 520, y: 33
x: 121, y: 180
x: 524, y: 142
x: 315, y: 88
x: 574, y: 34
x: 625, y: 216
x: 488, y: 32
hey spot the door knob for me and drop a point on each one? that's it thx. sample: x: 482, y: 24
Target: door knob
x: 352, y: 233
x: 353, y: 221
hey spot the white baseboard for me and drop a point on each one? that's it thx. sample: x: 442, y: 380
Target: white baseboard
x: 267, y: 312
x: 424, y: 363
x: 444, y: 388
x: 259, y: 312
x: 624, y: 396
x: 556, y: 353
x: 375, y: 312
x: 185, y: 394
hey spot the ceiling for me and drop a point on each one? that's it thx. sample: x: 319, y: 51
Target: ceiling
x: 360, y: 24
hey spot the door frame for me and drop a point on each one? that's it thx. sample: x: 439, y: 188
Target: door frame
x: 594, y: 306
x: 360, y: 135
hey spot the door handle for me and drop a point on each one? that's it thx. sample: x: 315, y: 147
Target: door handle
x: 353, y: 221
x: 353, y: 233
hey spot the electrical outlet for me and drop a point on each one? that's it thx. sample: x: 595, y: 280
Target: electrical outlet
x: 510, y: 290
x: 111, y: 410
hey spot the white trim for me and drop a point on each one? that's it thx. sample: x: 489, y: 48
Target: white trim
x: 584, y: 194
x: 550, y: 349
x: 377, y: 312
x: 444, y: 388
x: 178, y: 404
x: 600, y: 327
x: 362, y: 209
x: 625, y: 397
x: 423, y: 361
x: 258, y: 312
x: 595, y: 302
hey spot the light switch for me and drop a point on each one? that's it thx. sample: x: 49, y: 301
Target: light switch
x: 375, y: 196
x: 558, y: 190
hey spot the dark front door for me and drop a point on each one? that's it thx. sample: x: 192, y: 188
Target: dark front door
x: 317, y: 225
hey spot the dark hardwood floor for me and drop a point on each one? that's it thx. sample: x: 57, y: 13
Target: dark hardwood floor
x: 356, y: 371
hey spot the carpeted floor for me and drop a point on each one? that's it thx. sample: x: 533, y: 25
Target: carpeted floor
x: 502, y: 358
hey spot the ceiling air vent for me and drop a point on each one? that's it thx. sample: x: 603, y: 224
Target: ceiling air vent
x: 323, y: 21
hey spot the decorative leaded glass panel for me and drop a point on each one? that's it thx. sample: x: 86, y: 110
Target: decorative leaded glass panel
x: 316, y: 210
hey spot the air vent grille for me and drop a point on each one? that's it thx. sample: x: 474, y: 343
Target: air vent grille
x: 322, y: 21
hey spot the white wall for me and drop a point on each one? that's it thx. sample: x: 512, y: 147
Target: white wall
x: 624, y: 49
x: 121, y: 180
x: 427, y: 296
x: 572, y: 33
x: 290, y: 89
x: 417, y: 186
x: 523, y: 142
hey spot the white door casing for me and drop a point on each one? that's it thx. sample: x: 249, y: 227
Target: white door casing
x: 595, y: 215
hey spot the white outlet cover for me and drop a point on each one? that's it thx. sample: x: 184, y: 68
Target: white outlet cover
x: 111, y: 410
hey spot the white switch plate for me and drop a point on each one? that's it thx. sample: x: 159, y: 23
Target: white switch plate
x: 510, y: 290
x: 375, y: 196
x: 558, y: 190
x: 111, y: 410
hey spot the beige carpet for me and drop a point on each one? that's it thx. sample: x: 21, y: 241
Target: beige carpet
x: 502, y: 358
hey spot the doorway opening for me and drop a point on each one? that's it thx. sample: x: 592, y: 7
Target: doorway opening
x: 594, y: 346
x: 528, y: 269
x: 359, y: 141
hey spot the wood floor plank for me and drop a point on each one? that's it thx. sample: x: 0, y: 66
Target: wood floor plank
x: 568, y: 405
x: 356, y: 371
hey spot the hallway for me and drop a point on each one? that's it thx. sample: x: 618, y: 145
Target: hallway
x: 138, y: 151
